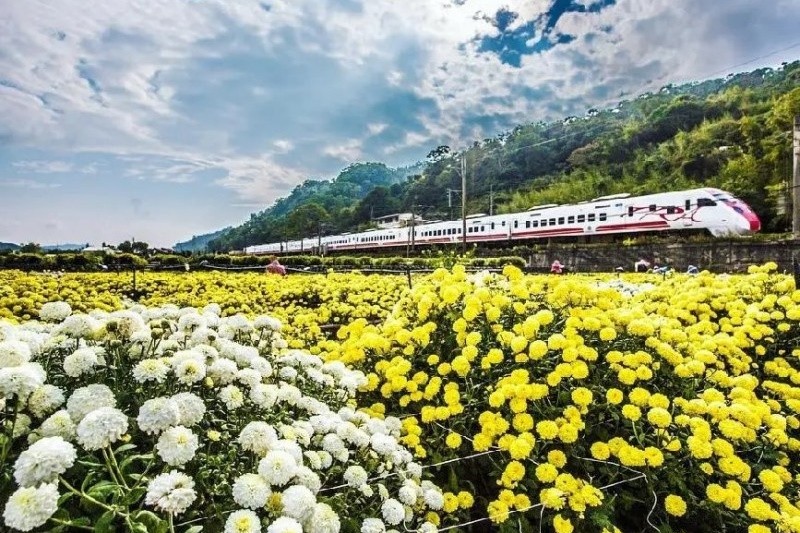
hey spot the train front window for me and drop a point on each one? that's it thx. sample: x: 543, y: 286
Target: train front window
x: 705, y: 202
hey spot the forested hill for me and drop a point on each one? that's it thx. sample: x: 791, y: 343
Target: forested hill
x: 732, y: 133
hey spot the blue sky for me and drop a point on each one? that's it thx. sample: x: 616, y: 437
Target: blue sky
x: 161, y: 119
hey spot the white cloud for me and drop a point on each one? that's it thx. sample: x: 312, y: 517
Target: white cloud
x: 283, y: 146
x: 28, y: 184
x: 348, y: 151
x: 43, y: 167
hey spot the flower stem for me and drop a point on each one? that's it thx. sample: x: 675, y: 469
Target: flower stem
x: 116, y: 466
x: 71, y: 524
x: 89, y: 498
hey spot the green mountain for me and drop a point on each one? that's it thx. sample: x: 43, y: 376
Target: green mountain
x: 8, y: 246
x: 732, y: 133
x: 199, y: 243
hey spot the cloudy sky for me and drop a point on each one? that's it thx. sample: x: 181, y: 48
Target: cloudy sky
x: 160, y: 119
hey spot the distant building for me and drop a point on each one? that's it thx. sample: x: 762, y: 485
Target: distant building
x: 100, y: 249
x: 397, y: 220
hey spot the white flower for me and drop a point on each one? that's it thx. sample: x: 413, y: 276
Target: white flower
x: 285, y: 524
x: 262, y: 366
x: 190, y: 371
x: 251, y: 491
x: 433, y: 499
x: 21, y: 380
x: 101, y: 428
x: 428, y: 527
x: 393, y: 512
x: 264, y: 396
x: 258, y: 437
x: 287, y: 373
x: 239, y: 323
x: 158, y: 414
x: 176, y: 446
x: 59, y: 424
x: 45, y: 400
x: 292, y: 448
x: 191, y: 407
x: 298, y: 502
x: 43, y: 461
x: 249, y: 377
x: 190, y: 321
x: 203, y: 335
x: 172, y: 492
x: 223, y: 371
x: 14, y: 353
x: 408, y: 493
x: 78, y: 326
x: 232, y: 397
x: 373, y: 525
x: 82, y: 361
x: 277, y: 467
x: 267, y: 322
x: 55, y: 311
x: 307, y: 477
x: 323, y: 520
x: 243, y: 521
x: 150, y: 370
x: 31, y: 507
x: 355, y: 476
x: 89, y: 398
x: 22, y: 425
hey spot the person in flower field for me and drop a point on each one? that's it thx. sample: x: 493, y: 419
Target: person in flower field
x: 556, y: 267
x: 274, y: 267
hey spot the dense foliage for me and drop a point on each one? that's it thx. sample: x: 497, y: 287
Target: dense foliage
x: 730, y: 133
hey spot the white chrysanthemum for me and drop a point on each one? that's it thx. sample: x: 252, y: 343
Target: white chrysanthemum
x: 284, y: 524
x: 373, y: 525
x: 249, y: 377
x: 243, y: 521
x: 414, y: 470
x: 331, y: 443
x: 267, y: 322
x: 158, y: 414
x: 292, y: 448
x: 434, y: 498
x: 190, y: 321
x: 176, y: 446
x: 313, y: 459
x: 232, y: 397
x: 101, y: 428
x: 262, y: 366
x: 89, y: 398
x: 59, y: 424
x: 81, y: 361
x: 172, y: 493
x: 55, y: 311
x: 191, y: 408
x: 44, y: 461
x: 393, y: 512
x: 408, y: 493
x: 203, y: 335
x: 298, y: 502
x: 78, y: 326
x: 190, y: 371
x: 258, y: 437
x: 127, y: 323
x: 323, y: 520
x: 223, y: 371
x: 355, y: 476
x: 239, y: 322
x: 14, y: 353
x: 45, y: 400
x: 212, y: 308
x: 383, y: 444
x: 251, y: 491
x: 150, y: 370
x: 21, y: 380
x: 277, y: 467
x: 22, y: 425
x: 31, y: 507
x: 243, y: 355
x: 264, y: 395
x: 428, y: 527
x: 307, y: 477
x: 287, y: 373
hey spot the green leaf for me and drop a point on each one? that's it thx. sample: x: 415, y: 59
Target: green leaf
x: 151, y: 521
x: 134, y: 495
x: 101, y: 490
x: 194, y: 529
x: 105, y: 524
x: 125, y: 448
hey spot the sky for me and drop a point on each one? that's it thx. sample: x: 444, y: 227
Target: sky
x: 163, y: 119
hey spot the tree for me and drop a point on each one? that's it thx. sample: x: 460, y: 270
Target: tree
x: 31, y: 248
x: 135, y: 247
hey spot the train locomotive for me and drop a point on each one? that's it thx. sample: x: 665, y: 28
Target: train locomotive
x: 705, y: 209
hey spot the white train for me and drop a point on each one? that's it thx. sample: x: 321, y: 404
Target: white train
x: 712, y: 210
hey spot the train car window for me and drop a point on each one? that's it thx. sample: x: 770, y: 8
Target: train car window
x: 590, y: 217
x: 670, y: 210
x: 560, y: 220
x: 483, y: 228
x: 602, y: 217
x: 527, y: 223
x: 601, y: 206
x: 688, y: 204
x: 516, y: 224
x: 492, y: 225
x: 544, y: 222
x: 581, y: 219
x: 504, y: 223
x: 459, y: 231
x: 652, y: 207
x: 552, y: 222
x: 535, y: 223
x: 630, y: 210
x: 571, y: 219
x: 705, y: 202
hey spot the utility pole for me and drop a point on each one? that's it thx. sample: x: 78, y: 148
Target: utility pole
x: 796, y: 180
x: 491, y: 200
x: 410, y: 243
x: 464, y: 202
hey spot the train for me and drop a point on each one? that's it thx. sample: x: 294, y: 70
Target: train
x: 706, y: 209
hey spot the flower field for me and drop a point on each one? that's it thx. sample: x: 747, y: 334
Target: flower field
x: 471, y: 402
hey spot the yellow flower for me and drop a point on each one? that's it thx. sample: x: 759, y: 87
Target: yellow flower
x: 631, y: 412
x: 562, y: 525
x: 547, y: 429
x: 600, y: 451
x: 614, y: 396
x: 556, y: 458
x: 546, y: 473
x: 675, y: 505
x: 582, y: 396
x: 659, y: 417
x: 453, y: 440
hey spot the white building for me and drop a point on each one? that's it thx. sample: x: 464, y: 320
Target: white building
x: 396, y: 220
